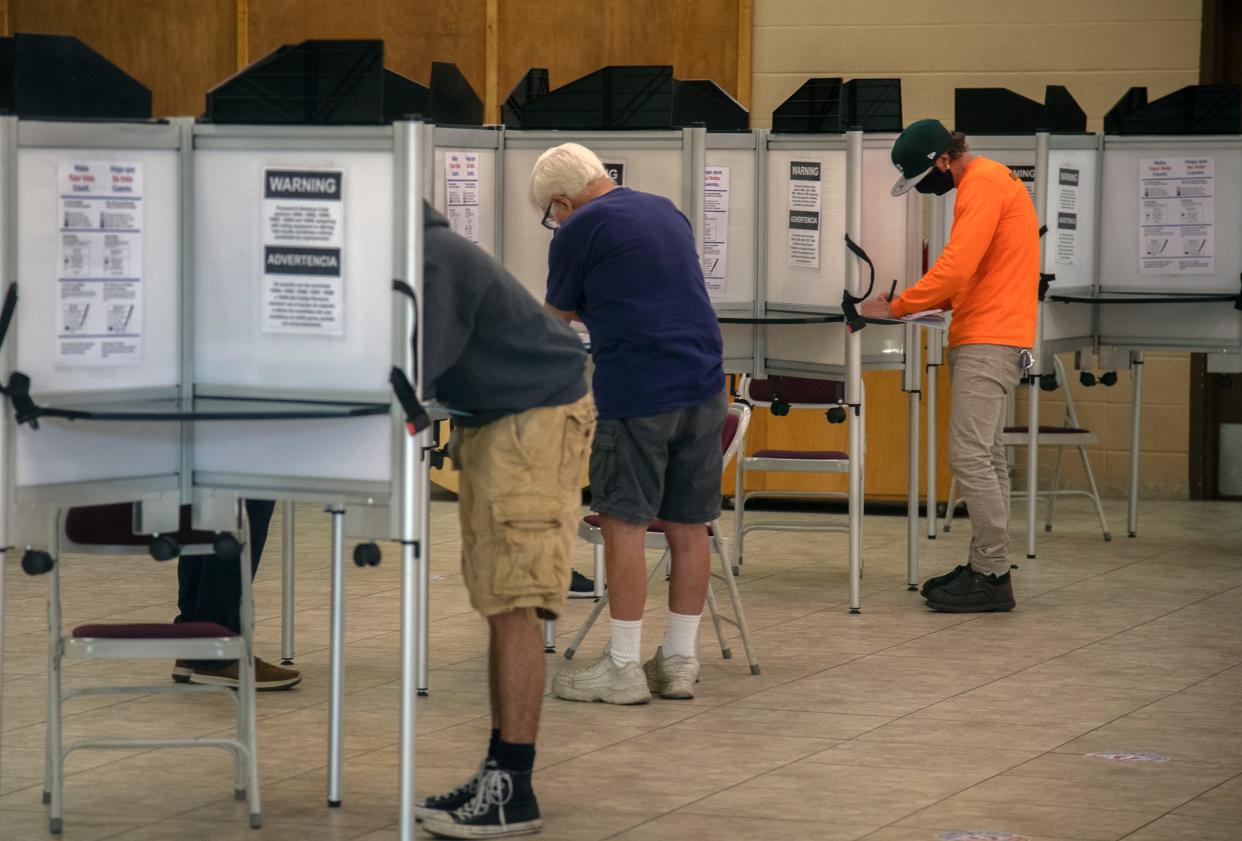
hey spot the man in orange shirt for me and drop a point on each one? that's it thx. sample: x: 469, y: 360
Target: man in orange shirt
x: 988, y: 275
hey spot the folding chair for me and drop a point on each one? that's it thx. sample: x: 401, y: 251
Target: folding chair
x: 736, y: 422
x: 1070, y: 434
x: 106, y: 529
x: 783, y: 394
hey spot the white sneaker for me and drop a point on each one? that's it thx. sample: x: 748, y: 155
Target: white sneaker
x: 602, y: 680
x: 672, y: 677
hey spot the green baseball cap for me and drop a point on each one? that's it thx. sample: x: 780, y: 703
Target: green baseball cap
x: 916, y: 151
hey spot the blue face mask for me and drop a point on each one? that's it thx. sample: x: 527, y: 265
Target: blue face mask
x: 936, y: 183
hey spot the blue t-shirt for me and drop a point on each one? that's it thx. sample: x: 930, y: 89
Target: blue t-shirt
x: 625, y: 262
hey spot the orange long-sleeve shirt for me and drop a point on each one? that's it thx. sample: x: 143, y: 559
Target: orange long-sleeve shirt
x: 988, y: 273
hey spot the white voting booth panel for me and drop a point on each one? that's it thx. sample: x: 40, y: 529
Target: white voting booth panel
x: 1214, y: 326
x: 60, y: 453
x: 736, y: 154
x: 138, y: 269
x: 157, y: 365
x: 231, y: 347
x: 653, y: 162
x: 233, y: 350
x: 891, y: 229
x: 472, y: 205
x: 1070, y: 247
x: 805, y: 288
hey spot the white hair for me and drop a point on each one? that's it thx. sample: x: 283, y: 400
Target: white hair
x: 564, y: 170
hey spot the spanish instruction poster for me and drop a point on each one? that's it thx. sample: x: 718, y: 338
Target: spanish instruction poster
x: 716, y: 230
x: 302, y: 244
x: 1067, y: 216
x: 806, y: 189
x: 1176, y: 210
x: 99, y: 264
x: 461, y: 187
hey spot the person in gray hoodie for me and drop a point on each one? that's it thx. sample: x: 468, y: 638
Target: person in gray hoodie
x: 515, y: 377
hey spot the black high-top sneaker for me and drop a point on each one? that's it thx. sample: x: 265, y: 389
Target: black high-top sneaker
x: 973, y: 592
x: 455, y: 799
x: 503, y: 806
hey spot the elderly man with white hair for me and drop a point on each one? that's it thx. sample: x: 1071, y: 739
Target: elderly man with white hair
x: 624, y: 263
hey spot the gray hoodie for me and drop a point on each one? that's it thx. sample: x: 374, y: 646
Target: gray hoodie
x: 489, y: 348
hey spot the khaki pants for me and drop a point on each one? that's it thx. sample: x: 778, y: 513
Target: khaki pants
x: 982, y: 377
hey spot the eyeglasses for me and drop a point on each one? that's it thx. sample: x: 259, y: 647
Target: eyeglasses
x: 547, y: 221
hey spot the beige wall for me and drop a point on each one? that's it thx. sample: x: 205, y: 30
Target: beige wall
x: 1163, y: 453
x: 1096, y: 48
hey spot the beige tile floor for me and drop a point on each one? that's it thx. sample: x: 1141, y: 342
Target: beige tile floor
x: 896, y: 725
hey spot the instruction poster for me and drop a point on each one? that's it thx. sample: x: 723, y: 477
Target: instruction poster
x: 715, y: 230
x: 461, y: 187
x: 1176, y: 210
x: 99, y: 264
x: 302, y: 240
x: 1025, y: 174
x: 1067, y: 216
x: 806, y: 189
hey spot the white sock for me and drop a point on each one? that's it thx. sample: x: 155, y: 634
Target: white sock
x: 682, y: 637
x: 627, y: 641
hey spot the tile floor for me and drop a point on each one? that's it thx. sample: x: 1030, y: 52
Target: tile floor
x: 896, y: 725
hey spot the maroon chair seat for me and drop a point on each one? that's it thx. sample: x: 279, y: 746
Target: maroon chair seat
x: 816, y: 455
x: 796, y: 390
x: 1048, y: 430
x: 112, y: 525
x: 592, y: 520
x: 154, y: 631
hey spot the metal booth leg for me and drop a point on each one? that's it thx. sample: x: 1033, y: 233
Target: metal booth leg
x: 912, y: 495
x: 286, y: 584
x: 336, y: 657
x: 1032, y: 465
x: 423, y: 477
x: 1136, y: 417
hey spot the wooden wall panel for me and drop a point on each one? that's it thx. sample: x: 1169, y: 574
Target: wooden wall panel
x: 175, y: 48
x: 415, y: 32
x: 572, y: 38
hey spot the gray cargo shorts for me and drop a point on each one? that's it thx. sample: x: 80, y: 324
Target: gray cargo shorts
x: 666, y: 465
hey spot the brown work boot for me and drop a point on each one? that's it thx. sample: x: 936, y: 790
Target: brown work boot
x: 268, y: 678
x: 973, y: 592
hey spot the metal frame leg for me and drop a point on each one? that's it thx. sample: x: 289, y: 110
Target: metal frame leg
x: 549, y: 637
x: 912, y: 495
x: 1056, y: 486
x: 725, y: 651
x: 931, y: 451
x: 1095, y: 493
x: 54, y: 772
x: 950, y: 506
x: 726, y: 572
x: 601, y: 572
x: 246, y: 679
x: 739, y: 508
x: 336, y: 658
x: 286, y: 583
x: 1136, y: 416
x: 1032, y: 465
x: 423, y: 478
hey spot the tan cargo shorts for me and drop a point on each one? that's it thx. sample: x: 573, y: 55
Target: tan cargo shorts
x: 519, y: 501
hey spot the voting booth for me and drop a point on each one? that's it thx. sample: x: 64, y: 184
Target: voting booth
x: 208, y: 312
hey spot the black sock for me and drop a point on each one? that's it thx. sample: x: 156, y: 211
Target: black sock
x: 493, y: 742
x: 515, y: 757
